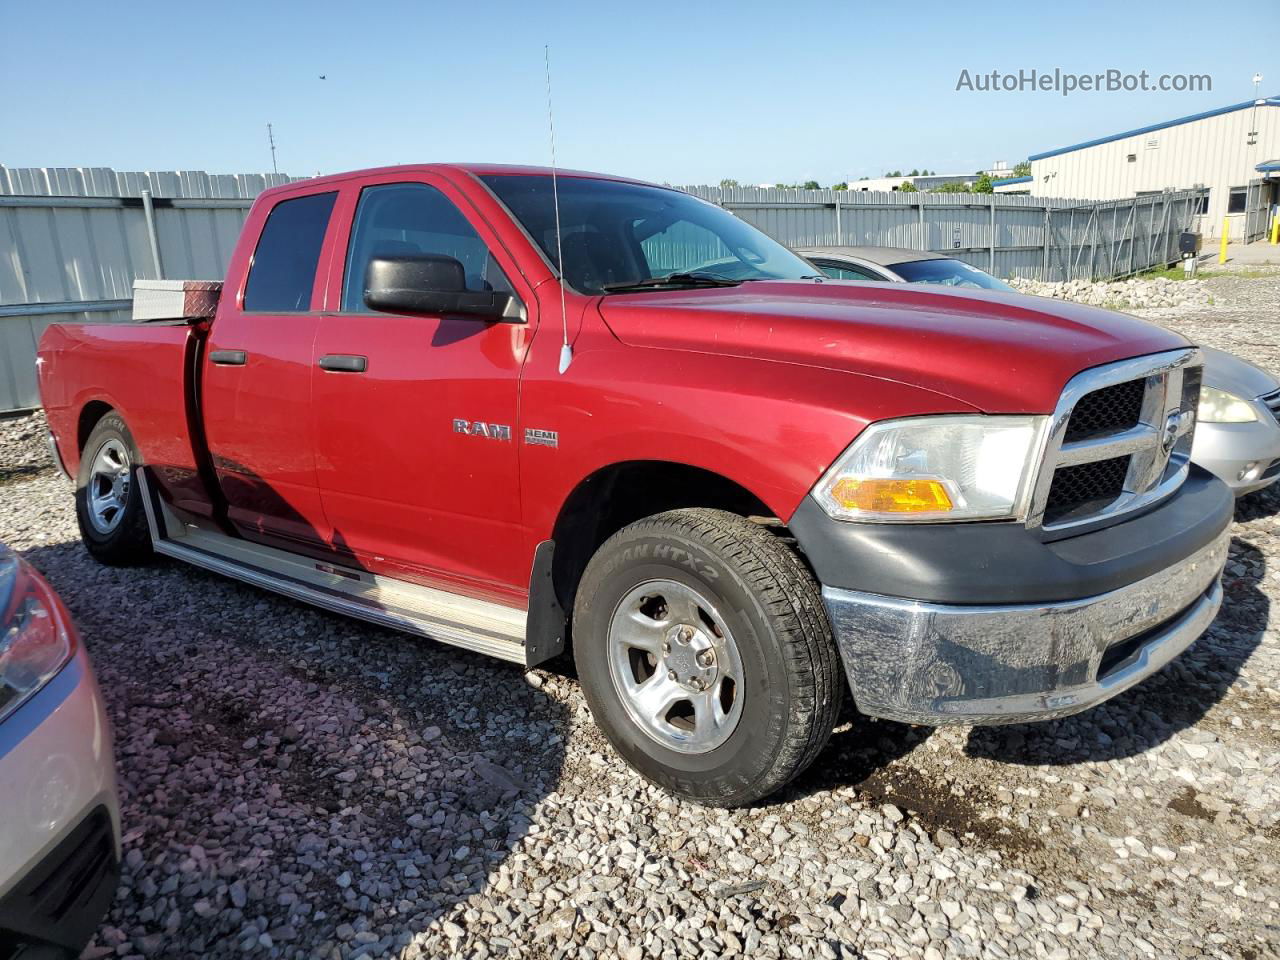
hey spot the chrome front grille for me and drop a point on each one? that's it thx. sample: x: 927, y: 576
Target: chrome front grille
x: 1113, y: 408
x: 1272, y: 400
x: 1119, y: 441
x: 1083, y: 489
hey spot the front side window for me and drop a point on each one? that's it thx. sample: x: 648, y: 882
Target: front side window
x: 283, y: 270
x: 615, y: 235
x: 414, y: 218
x: 951, y: 273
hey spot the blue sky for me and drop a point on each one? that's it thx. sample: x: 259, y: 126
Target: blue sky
x: 676, y: 92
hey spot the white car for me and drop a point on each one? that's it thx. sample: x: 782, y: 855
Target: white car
x: 1238, y: 423
x: 59, y: 816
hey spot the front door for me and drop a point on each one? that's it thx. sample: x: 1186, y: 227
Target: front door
x: 417, y: 439
x: 257, y: 379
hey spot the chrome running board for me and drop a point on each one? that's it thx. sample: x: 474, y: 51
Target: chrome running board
x: 480, y: 625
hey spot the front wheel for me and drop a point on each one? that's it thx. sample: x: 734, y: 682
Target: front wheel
x: 706, y: 656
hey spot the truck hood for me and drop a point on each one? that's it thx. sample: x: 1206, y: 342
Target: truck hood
x: 998, y: 352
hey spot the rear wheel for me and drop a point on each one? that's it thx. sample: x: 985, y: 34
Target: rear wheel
x: 706, y: 656
x: 109, y: 508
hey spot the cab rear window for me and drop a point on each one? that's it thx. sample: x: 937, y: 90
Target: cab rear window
x: 284, y: 264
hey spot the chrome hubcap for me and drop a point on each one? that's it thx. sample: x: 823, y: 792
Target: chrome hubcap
x: 675, y: 666
x: 109, y: 480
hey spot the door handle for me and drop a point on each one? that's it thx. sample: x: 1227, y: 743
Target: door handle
x: 228, y: 358
x: 344, y: 363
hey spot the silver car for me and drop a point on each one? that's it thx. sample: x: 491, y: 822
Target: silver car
x: 1238, y: 431
x: 59, y: 817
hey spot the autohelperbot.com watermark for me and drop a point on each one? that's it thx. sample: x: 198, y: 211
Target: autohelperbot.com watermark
x: 1066, y: 82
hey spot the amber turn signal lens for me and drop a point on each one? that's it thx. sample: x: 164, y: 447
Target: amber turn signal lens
x: 891, y: 495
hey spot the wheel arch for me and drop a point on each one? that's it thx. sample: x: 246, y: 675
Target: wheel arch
x: 598, y: 506
x: 88, y: 418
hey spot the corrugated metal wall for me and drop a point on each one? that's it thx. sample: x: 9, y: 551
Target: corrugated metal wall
x: 72, y: 241
x: 1007, y: 235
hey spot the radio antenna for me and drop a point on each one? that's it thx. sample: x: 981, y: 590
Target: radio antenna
x: 566, y: 351
x: 271, y: 139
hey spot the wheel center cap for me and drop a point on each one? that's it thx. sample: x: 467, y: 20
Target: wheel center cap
x: 689, y: 657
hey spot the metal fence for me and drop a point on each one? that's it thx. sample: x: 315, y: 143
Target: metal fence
x: 1008, y: 235
x: 72, y: 240
x: 1257, y: 211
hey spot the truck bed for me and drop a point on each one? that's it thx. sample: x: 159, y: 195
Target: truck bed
x: 144, y: 371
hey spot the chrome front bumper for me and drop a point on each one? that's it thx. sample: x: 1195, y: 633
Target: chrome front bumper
x: 949, y: 664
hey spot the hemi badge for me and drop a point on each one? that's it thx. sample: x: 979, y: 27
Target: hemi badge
x: 541, y: 438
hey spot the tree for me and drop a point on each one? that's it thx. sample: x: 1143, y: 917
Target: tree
x: 953, y: 186
x: 894, y: 173
x: 811, y: 185
x: 983, y: 185
x: 907, y: 187
x: 914, y: 172
x: 727, y: 183
x: 1022, y: 169
x: 841, y: 186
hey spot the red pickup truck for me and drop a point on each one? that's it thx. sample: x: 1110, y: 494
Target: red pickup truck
x: 524, y: 414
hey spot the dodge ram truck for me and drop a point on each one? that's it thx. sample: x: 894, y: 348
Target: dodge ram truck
x: 533, y: 414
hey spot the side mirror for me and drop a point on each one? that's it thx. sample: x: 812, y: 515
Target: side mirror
x: 429, y: 283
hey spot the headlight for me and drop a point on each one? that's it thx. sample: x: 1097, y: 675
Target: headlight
x: 1218, y: 406
x: 935, y: 468
x: 34, y: 643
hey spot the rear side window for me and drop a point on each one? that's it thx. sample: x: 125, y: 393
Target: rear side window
x: 409, y: 219
x: 845, y: 271
x: 284, y: 263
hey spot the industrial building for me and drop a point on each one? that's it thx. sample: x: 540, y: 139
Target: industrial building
x: 1234, y: 151
x: 923, y: 183
x: 1015, y: 185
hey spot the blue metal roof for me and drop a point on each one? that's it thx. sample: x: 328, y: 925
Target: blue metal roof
x: 1268, y: 166
x: 1266, y: 102
x: 1008, y: 180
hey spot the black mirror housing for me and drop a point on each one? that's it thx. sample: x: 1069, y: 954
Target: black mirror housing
x: 432, y: 284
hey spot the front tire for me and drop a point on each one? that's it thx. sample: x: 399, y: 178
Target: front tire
x: 113, y: 524
x: 706, y: 656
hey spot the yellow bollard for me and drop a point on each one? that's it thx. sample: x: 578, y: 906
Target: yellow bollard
x: 1275, y: 229
x: 1226, y: 231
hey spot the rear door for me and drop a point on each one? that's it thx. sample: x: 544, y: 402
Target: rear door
x: 416, y: 417
x: 257, y: 378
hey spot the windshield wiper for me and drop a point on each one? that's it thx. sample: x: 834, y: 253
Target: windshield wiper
x: 696, y: 279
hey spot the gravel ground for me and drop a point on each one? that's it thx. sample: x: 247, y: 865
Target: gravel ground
x: 295, y: 784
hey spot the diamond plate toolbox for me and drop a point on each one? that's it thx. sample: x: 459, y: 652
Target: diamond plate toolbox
x: 175, y: 299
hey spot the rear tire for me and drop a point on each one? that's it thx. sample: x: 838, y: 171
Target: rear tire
x: 109, y: 508
x: 714, y: 615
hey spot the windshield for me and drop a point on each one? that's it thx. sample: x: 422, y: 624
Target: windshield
x: 617, y: 234
x: 953, y: 273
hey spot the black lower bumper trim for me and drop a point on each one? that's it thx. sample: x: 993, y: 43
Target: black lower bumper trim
x: 61, y: 901
x: 1002, y: 563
